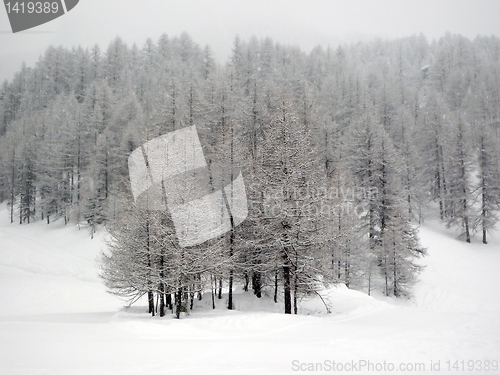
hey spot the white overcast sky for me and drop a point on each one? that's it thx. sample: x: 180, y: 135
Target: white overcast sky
x: 305, y: 23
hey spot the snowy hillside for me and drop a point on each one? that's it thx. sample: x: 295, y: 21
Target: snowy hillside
x: 56, y: 318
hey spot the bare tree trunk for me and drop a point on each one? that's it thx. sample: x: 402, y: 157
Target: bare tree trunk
x: 257, y: 284
x: 276, y: 286
x: 169, y: 301
x: 395, y: 280
x: 162, y: 299
x: 151, y: 302
x: 212, y: 290
x: 295, y: 291
x: 12, y: 188
x: 230, y: 293
x: 247, y: 281
x: 286, y: 289
x: 286, y: 269
x: 200, y: 286
x: 150, y: 293
x: 219, y: 292
x: 162, y: 286
x: 464, y: 202
x: 483, y: 191
x: 466, y: 223
x: 178, y: 303
x: 347, y: 266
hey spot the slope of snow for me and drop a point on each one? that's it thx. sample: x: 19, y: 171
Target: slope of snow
x: 56, y: 318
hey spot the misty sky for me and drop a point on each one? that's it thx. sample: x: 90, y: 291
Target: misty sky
x: 305, y: 23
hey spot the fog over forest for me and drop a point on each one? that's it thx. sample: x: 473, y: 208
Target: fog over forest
x: 344, y: 152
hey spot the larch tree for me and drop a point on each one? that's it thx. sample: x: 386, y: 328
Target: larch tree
x: 392, y: 241
x: 489, y: 181
x: 127, y: 266
x: 459, y: 192
x: 290, y: 170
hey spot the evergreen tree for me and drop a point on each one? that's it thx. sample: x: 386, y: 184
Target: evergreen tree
x: 392, y: 241
x: 460, y: 198
x: 287, y: 170
x: 339, y: 149
x: 489, y: 181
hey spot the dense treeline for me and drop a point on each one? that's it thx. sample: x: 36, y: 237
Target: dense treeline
x: 343, y: 150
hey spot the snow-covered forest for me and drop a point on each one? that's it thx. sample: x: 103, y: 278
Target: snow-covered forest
x: 344, y: 151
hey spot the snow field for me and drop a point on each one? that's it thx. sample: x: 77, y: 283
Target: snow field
x: 56, y: 318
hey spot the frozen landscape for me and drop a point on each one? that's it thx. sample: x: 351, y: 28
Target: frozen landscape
x: 56, y: 317
x: 280, y: 187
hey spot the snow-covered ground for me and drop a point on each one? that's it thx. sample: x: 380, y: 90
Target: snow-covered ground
x: 56, y: 318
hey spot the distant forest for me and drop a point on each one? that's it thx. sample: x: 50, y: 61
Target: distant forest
x: 344, y: 152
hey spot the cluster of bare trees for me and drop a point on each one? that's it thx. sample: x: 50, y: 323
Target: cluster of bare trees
x: 343, y: 151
